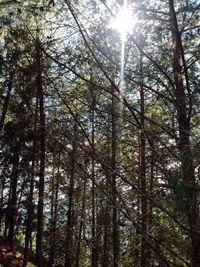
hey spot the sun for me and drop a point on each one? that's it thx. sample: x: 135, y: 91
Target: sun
x: 124, y: 22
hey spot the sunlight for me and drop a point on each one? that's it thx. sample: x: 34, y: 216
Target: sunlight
x: 124, y: 22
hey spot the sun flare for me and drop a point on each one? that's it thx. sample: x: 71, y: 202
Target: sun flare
x: 124, y: 22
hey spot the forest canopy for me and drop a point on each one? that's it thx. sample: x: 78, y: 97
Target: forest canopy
x: 99, y: 133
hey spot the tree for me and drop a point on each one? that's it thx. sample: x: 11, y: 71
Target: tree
x: 91, y: 176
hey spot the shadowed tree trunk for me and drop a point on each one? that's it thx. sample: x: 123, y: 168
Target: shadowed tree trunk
x: 81, y: 225
x: 54, y: 211
x: 7, y: 99
x: 39, y: 254
x: 106, y: 234
x: 30, y: 196
x: 94, y: 226
x: 144, y: 262
x: 69, y: 258
x: 2, y: 121
x: 183, y: 106
x: 1, y: 201
x: 13, y: 200
x: 108, y: 203
x: 115, y: 233
x: 7, y: 213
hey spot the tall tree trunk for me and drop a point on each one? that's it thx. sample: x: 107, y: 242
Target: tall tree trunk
x: 94, y: 238
x: 144, y: 262
x: 8, y: 211
x: 152, y: 174
x: 137, y: 239
x: 108, y: 203
x: 39, y: 255
x: 13, y: 201
x: 183, y: 119
x: 54, y: 211
x: 1, y: 202
x: 106, y: 236
x: 52, y: 232
x: 69, y: 235
x: 30, y: 196
x: 2, y: 121
x: 81, y: 225
x: 7, y: 99
x: 115, y: 232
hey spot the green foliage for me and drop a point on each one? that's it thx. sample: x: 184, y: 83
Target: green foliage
x: 80, y: 65
x: 29, y: 264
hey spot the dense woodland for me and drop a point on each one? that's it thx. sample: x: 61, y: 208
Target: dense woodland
x: 91, y: 175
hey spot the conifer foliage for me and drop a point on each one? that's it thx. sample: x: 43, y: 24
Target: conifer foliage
x: 99, y: 147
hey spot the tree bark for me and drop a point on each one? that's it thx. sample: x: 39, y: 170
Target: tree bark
x: 39, y: 255
x: 8, y: 211
x: 81, y: 225
x: 94, y: 237
x: 30, y: 196
x: 106, y: 236
x: 69, y: 235
x: 184, y: 147
x: 108, y: 203
x: 1, y: 202
x: 54, y: 212
x: 144, y: 261
x: 115, y: 232
x: 7, y: 99
x: 13, y: 200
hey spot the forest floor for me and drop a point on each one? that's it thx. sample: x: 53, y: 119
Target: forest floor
x: 9, y: 258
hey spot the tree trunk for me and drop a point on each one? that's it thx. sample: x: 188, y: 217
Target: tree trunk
x: 69, y: 235
x: 184, y: 135
x: 13, y: 200
x: 1, y: 202
x: 30, y: 197
x: 54, y: 212
x: 39, y: 256
x: 94, y: 238
x: 2, y: 121
x: 52, y: 232
x: 108, y: 203
x: 81, y: 225
x: 115, y: 233
x: 144, y: 261
x: 106, y: 236
x: 7, y: 99
x: 8, y: 211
